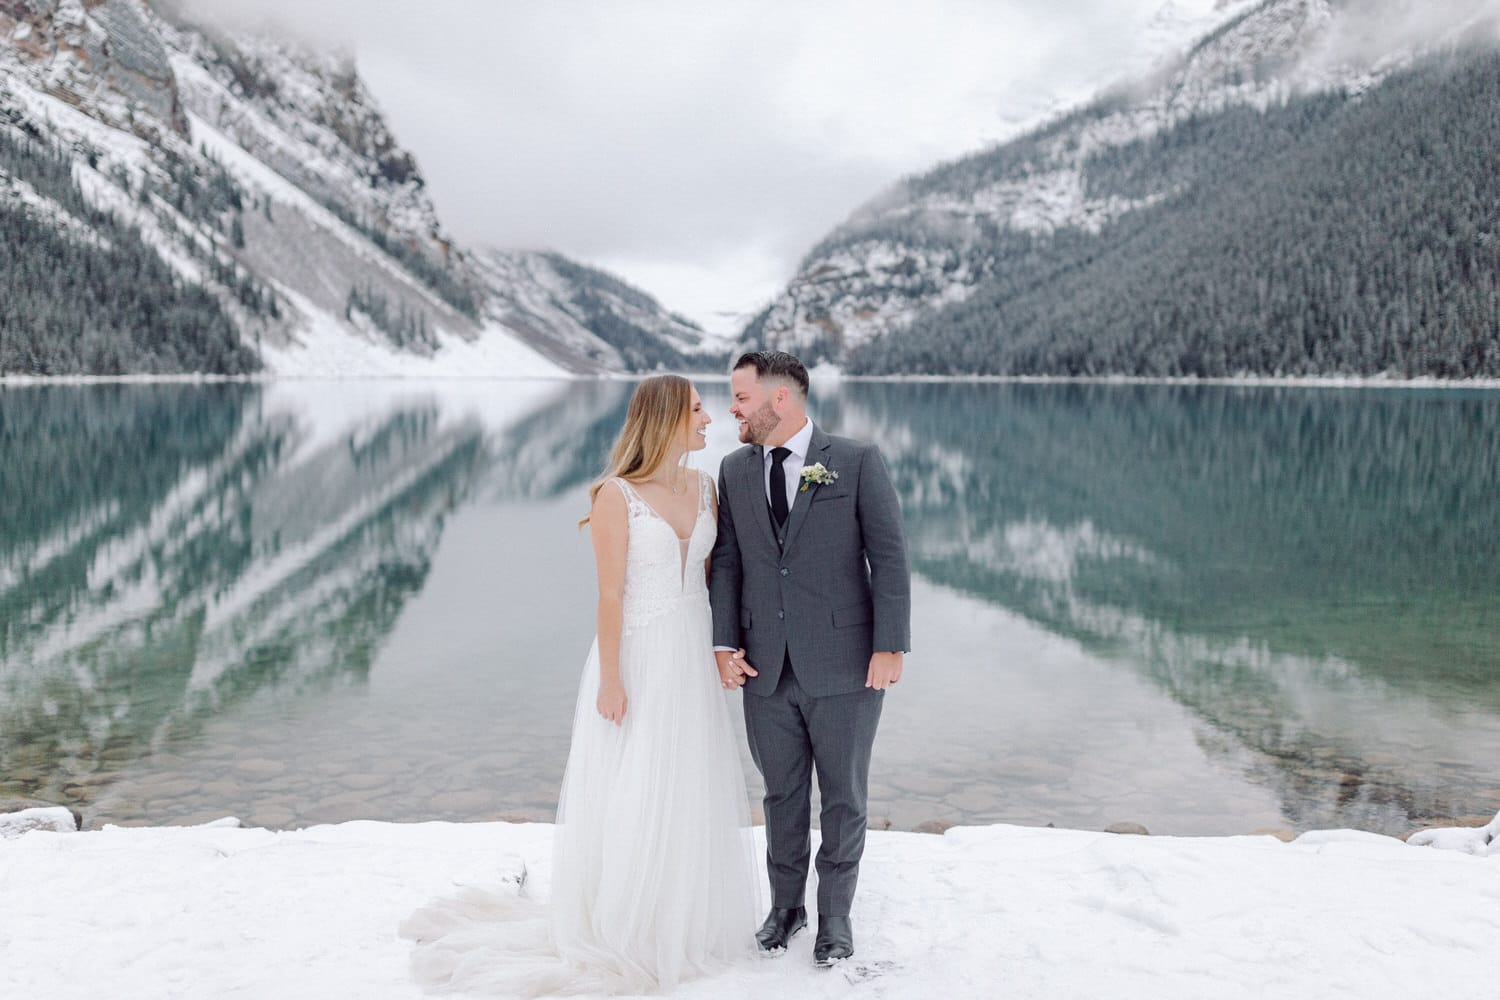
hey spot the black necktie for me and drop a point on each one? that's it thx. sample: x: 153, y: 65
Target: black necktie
x: 778, y: 484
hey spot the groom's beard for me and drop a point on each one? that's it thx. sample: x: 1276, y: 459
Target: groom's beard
x: 759, y: 425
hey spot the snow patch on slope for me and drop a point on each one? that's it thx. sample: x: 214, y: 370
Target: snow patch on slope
x: 323, y: 347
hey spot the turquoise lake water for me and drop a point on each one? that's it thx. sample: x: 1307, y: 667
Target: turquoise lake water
x: 1205, y: 609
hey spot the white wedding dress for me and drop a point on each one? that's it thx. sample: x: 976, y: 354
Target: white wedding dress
x: 654, y: 877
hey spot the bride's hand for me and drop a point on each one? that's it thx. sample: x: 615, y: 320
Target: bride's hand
x: 612, y: 702
x: 734, y: 669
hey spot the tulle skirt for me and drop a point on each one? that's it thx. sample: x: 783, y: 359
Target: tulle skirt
x: 654, y: 877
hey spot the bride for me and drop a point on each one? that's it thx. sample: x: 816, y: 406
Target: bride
x: 653, y: 874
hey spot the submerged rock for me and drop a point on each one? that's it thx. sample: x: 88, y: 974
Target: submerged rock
x: 54, y: 818
x: 933, y: 826
x: 1431, y: 823
x: 1128, y: 829
x: 15, y: 804
x: 1281, y: 833
x: 1480, y: 840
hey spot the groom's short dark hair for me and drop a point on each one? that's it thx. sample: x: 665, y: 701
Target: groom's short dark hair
x: 775, y: 364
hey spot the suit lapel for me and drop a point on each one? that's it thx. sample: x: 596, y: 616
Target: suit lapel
x: 817, y: 451
x: 755, y: 490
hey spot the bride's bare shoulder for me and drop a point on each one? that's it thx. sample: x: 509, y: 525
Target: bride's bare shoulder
x: 610, y: 497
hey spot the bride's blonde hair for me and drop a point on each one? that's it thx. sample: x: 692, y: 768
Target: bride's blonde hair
x: 658, y: 412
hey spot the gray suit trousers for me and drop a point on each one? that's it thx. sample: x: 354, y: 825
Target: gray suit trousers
x: 790, y: 732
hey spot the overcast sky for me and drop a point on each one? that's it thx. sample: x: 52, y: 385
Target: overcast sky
x: 699, y: 148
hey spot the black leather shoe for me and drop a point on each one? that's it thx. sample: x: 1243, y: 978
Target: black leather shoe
x: 835, y: 940
x: 780, y: 927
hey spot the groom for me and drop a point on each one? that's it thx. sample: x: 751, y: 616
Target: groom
x: 812, y: 611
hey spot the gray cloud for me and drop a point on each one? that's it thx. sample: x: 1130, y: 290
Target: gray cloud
x: 1367, y: 30
x: 701, y: 149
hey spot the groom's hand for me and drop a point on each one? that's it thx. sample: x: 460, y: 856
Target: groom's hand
x: 734, y: 669
x: 885, y: 670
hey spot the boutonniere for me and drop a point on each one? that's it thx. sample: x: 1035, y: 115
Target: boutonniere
x: 816, y: 474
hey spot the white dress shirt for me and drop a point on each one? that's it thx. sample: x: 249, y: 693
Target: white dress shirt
x: 797, y: 444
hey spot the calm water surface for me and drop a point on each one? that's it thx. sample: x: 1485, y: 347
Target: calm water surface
x: 1206, y: 609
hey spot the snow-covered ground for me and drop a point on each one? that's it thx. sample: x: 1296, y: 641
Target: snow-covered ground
x: 979, y: 912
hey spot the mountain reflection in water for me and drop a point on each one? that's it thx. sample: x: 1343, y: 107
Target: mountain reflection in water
x: 304, y: 602
x: 1313, y: 573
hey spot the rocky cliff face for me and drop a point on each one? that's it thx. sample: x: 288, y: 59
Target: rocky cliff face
x: 929, y: 242
x: 309, y: 117
x: 266, y: 174
x: 102, y: 56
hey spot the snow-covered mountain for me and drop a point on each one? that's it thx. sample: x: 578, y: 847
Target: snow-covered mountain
x: 933, y: 242
x: 264, y: 174
x: 570, y: 310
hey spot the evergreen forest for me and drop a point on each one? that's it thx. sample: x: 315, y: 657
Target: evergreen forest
x: 1332, y: 233
x: 89, y: 296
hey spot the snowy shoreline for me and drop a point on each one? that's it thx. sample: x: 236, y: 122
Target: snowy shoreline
x: 820, y: 374
x: 215, y: 911
x: 199, y: 378
x: 1297, y: 381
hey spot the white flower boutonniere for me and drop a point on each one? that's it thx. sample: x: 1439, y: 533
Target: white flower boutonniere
x: 816, y: 474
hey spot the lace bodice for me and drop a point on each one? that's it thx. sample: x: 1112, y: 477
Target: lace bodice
x: 662, y: 569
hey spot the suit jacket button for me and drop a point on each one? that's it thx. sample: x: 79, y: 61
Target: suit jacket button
x: 781, y: 614
x: 785, y: 571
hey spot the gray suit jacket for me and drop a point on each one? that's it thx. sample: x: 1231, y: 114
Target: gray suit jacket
x: 838, y: 589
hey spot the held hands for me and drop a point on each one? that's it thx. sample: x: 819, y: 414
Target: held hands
x: 612, y: 701
x: 885, y: 670
x: 734, y: 669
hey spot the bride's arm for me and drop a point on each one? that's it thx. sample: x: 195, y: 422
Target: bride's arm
x: 609, y: 527
x: 713, y: 508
